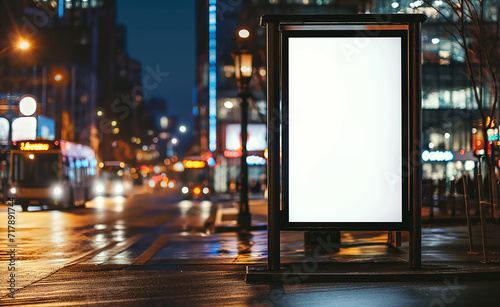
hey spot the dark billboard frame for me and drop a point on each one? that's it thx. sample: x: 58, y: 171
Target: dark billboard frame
x: 341, y: 32
x: 275, y: 25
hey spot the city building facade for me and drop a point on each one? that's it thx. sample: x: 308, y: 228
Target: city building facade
x: 77, y: 68
x: 450, y: 120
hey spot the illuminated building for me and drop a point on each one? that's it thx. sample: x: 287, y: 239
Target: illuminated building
x: 216, y: 106
x: 78, y: 41
x: 450, y: 119
x: 449, y: 114
x: 78, y: 64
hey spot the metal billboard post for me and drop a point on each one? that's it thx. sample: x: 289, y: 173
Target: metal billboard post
x: 415, y: 248
x: 273, y: 139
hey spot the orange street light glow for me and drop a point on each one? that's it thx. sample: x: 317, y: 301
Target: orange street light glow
x: 244, y: 33
x: 23, y: 45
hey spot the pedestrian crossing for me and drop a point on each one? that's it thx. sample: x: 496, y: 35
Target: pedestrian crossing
x: 144, y: 248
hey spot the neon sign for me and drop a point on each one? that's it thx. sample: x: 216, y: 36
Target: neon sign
x: 232, y: 153
x: 256, y: 160
x: 212, y: 76
x: 27, y: 146
x: 437, y: 155
x: 193, y: 164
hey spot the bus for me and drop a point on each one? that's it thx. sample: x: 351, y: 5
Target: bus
x: 114, y: 179
x: 195, y: 178
x: 56, y: 174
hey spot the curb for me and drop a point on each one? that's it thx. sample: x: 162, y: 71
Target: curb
x: 236, y: 228
x: 290, y: 273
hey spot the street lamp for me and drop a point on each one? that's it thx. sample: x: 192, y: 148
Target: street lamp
x: 243, y: 74
x: 22, y: 45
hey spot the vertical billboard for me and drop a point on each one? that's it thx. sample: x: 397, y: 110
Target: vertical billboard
x: 345, y: 126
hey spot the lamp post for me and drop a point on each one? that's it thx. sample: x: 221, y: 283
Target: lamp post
x: 243, y: 73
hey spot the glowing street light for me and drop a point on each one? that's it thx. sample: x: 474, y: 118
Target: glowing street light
x: 182, y: 129
x: 23, y: 45
x: 243, y: 33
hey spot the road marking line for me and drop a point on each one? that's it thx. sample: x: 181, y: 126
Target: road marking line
x: 151, y: 251
x: 90, y: 254
x: 121, y: 246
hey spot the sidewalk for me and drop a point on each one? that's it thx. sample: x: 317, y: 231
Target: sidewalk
x: 365, y: 255
x: 227, y: 214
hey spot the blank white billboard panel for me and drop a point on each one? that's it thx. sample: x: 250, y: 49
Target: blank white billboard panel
x: 345, y: 129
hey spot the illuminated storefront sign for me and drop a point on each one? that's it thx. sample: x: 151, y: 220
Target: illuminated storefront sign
x: 193, y: 164
x: 437, y: 156
x: 257, y: 137
x: 27, y: 146
x: 256, y: 160
x: 232, y: 153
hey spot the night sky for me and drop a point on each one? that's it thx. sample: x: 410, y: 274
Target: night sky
x: 163, y: 33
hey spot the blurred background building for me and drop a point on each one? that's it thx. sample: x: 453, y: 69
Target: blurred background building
x: 77, y: 67
x: 89, y: 89
x: 450, y: 117
x: 218, y: 106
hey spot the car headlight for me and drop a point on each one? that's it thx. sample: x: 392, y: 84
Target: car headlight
x: 185, y: 190
x: 152, y: 183
x: 206, y: 190
x: 13, y: 190
x: 57, y: 191
x: 118, y: 188
x: 99, y: 188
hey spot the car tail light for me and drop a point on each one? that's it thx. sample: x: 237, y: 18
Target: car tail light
x: 197, y: 191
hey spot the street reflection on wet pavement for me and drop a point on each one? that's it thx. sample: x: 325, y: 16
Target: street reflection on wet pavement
x: 158, y: 229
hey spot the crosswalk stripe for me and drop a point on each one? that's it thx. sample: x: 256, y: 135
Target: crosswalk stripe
x: 90, y: 254
x: 151, y: 251
x: 121, y: 246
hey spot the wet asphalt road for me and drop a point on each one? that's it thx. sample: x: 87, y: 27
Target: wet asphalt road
x: 155, y: 249
x: 110, y: 230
